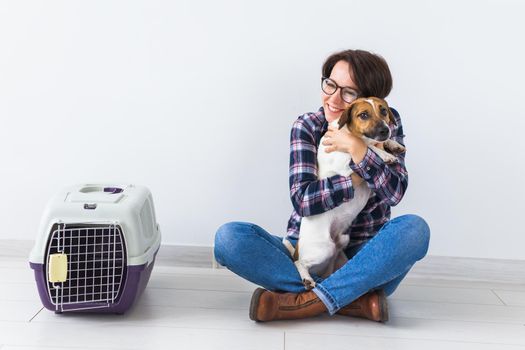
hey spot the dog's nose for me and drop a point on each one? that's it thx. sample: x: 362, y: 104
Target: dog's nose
x: 383, y: 133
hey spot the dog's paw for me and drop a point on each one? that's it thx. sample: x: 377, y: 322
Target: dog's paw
x: 389, y: 159
x: 308, y: 283
x: 394, y: 147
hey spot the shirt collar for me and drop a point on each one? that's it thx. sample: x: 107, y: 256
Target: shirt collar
x: 324, y: 122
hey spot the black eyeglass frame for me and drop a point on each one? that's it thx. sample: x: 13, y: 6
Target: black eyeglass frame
x: 340, y: 88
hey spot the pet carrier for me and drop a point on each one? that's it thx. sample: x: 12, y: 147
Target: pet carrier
x: 96, y: 248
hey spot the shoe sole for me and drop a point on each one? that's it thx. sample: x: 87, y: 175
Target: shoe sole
x: 254, y: 303
x: 383, y: 306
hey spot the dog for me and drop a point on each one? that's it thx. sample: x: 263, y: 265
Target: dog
x: 322, y: 237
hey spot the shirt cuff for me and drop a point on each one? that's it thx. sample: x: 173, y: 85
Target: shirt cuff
x: 369, y: 166
x: 344, y: 185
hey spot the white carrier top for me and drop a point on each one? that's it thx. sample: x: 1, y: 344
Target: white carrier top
x: 128, y: 206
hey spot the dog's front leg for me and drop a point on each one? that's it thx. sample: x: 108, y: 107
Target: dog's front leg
x: 308, y: 281
x: 387, y: 157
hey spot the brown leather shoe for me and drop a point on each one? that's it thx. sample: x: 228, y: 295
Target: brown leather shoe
x: 268, y: 306
x: 371, y: 305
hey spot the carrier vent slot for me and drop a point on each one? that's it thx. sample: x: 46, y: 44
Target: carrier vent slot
x: 96, y: 265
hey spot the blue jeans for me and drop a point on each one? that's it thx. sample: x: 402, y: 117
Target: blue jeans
x: 380, y: 263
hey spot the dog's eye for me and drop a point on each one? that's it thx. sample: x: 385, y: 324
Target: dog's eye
x: 384, y: 112
x: 364, y: 116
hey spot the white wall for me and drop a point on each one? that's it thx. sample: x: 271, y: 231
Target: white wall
x: 195, y: 99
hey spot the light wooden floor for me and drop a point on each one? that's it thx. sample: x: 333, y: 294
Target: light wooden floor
x: 203, y: 308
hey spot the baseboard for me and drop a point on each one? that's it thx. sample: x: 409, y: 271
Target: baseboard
x: 431, y: 267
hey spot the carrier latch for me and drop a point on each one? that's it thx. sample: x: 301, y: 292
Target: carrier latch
x: 57, y: 268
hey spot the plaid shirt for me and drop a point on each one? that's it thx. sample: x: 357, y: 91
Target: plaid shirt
x: 311, y: 196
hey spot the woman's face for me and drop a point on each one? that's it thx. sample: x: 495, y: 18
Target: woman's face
x: 333, y: 104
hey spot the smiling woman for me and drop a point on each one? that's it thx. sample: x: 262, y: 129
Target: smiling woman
x: 380, y: 251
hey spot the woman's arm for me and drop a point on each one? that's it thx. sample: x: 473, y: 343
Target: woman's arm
x: 309, y: 195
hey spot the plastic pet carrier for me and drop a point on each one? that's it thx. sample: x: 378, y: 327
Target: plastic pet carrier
x: 96, y: 248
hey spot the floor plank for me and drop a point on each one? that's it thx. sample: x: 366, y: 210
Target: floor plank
x: 306, y: 341
x: 114, y: 335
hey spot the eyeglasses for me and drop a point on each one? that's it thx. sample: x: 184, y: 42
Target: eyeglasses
x: 329, y: 87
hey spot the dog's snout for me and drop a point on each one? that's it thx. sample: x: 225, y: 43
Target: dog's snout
x: 380, y: 133
x: 383, y: 132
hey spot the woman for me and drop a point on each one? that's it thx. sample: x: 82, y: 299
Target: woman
x: 380, y: 252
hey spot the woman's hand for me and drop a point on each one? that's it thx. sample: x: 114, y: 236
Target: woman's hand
x: 339, y: 140
x: 344, y: 141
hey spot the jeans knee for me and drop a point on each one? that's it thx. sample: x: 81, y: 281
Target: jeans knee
x: 226, y: 239
x: 418, y: 233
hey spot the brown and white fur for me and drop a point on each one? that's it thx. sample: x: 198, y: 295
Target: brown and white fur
x: 322, y: 237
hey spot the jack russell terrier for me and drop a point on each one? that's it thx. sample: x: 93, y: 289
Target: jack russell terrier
x: 322, y: 238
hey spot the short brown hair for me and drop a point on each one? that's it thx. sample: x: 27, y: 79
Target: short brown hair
x: 370, y: 71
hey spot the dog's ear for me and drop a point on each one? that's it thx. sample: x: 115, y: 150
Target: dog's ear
x: 391, y: 117
x: 346, y: 116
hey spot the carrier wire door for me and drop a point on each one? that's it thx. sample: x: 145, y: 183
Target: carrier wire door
x: 86, y: 266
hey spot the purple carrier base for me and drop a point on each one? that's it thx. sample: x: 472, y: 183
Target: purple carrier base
x: 136, y: 280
